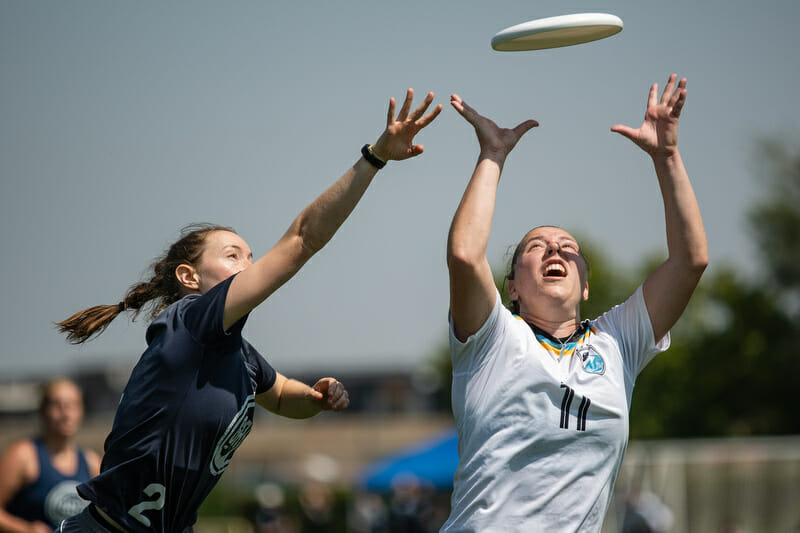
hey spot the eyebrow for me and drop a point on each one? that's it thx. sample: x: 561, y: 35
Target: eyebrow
x: 560, y: 240
x: 236, y: 247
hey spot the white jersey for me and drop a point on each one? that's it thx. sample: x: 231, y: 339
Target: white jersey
x: 542, y: 438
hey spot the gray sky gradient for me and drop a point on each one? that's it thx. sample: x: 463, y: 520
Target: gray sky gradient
x: 124, y: 121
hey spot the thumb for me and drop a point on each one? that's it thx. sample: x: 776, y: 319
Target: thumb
x: 626, y: 131
x: 316, y: 394
x: 524, y: 127
x: 322, y: 385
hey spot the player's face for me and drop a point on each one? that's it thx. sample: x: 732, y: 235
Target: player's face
x: 550, y: 266
x: 224, y: 254
x: 63, y: 411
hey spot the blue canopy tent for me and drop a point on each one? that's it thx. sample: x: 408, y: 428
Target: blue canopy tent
x: 433, y: 461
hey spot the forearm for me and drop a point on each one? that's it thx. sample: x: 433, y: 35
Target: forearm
x: 686, y: 238
x: 472, y: 222
x: 320, y: 220
x: 294, y: 401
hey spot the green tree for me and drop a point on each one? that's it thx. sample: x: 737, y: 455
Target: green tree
x: 775, y: 220
x: 733, y: 368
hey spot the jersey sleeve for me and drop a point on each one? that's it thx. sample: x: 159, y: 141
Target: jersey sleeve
x: 471, y: 354
x: 203, y: 315
x: 630, y: 324
x: 262, y: 374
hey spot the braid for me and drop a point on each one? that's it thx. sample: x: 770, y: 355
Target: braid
x: 158, y: 293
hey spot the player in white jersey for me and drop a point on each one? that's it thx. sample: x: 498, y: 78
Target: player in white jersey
x: 540, y: 397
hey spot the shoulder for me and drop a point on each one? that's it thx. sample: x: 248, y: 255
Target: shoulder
x: 501, y: 329
x: 201, y: 316
x: 632, y: 309
x: 20, y: 460
x: 92, y: 460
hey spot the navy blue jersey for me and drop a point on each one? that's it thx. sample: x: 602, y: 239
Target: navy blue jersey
x: 52, y: 497
x: 186, y: 408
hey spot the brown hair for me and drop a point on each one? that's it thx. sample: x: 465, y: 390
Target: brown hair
x: 513, y: 305
x: 160, y: 291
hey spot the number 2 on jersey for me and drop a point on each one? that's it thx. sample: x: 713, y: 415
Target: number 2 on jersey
x: 155, y: 490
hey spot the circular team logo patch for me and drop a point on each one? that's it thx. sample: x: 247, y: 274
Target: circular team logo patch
x: 63, y: 501
x: 591, y: 361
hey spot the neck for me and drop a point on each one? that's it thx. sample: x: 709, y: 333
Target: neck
x: 58, y: 443
x: 557, y: 328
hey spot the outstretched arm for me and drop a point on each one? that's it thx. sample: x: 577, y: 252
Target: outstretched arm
x: 293, y: 399
x: 472, y: 290
x: 667, y: 289
x: 318, y: 222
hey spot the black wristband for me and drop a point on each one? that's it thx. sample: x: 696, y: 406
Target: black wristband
x: 371, y: 158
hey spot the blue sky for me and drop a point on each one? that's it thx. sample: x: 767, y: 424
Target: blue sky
x: 123, y: 122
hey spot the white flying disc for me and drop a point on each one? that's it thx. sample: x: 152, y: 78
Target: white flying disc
x: 554, y: 32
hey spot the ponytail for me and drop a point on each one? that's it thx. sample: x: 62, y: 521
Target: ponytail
x: 81, y: 326
x: 158, y: 293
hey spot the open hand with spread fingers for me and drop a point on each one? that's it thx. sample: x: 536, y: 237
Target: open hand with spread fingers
x: 397, y: 140
x: 492, y: 138
x: 658, y: 134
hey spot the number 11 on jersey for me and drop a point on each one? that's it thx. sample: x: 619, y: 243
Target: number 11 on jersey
x: 566, y: 403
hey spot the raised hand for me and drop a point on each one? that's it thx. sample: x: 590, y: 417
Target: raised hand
x: 658, y: 134
x: 397, y: 140
x: 492, y: 138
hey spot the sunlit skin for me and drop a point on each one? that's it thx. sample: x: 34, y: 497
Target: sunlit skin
x: 225, y: 254
x: 550, y: 280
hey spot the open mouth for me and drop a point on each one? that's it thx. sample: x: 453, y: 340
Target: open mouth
x: 555, y: 270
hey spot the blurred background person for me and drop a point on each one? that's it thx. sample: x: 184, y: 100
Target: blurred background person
x: 38, y: 475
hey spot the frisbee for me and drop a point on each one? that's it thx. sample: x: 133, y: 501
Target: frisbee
x: 554, y: 32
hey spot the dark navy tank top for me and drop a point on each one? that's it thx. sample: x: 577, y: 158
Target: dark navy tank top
x: 188, y: 404
x: 52, y: 497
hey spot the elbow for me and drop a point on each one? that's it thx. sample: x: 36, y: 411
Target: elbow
x: 461, y: 257
x: 463, y: 264
x: 305, y: 241
x: 697, y: 264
